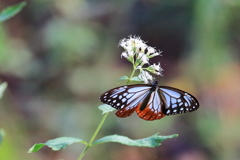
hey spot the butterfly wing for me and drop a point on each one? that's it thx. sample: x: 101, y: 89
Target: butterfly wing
x: 126, y: 98
x: 176, y: 101
x: 151, y: 102
x: 153, y: 109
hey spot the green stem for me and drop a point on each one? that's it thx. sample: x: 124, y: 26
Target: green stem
x: 98, y: 128
x: 100, y: 124
x: 93, y: 137
x: 83, y: 153
x: 134, y: 69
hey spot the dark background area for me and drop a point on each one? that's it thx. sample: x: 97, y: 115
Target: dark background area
x: 59, y: 56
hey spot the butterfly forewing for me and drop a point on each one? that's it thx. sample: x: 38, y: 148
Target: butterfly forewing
x: 132, y: 105
x: 125, y: 98
x: 177, y: 101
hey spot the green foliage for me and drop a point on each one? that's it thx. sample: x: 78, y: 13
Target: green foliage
x: 11, y: 11
x: 56, y: 144
x: 62, y: 142
x: 106, y: 108
x: 125, y: 78
x: 3, y: 87
x: 152, y: 141
x: 136, y: 79
x: 2, y: 133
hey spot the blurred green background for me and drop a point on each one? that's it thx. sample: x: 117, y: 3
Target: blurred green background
x: 59, y: 56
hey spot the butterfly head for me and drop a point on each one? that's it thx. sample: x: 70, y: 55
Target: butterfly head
x: 155, y: 82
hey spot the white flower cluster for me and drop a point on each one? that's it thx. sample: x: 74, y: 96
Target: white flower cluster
x: 138, y: 53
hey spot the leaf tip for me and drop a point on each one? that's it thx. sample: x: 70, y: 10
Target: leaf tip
x: 36, y: 147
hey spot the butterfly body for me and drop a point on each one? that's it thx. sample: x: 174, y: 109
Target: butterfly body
x: 150, y: 101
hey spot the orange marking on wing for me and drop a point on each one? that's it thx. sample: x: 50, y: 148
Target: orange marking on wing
x: 125, y: 112
x: 148, y: 114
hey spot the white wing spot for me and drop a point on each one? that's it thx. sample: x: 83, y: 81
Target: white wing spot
x: 129, y: 95
x: 174, y: 105
x: 124, y: 99
x: 120, y: 97
x: 114, y: 101
x: 124, y: 94
x: 174, y: 110
x: 118, y: 104
x: 168, y: 112
x: 186, y: 104
x: 115, y: 96
x: 173, y: 100
x: 182, y: 109
x: 106, y: 93
x: 122, y: 106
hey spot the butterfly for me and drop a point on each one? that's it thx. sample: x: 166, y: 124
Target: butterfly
x: 150, y: 101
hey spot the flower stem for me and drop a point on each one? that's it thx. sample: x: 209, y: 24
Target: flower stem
x: 93, y: 137
x: 134, y: 69
x: 100, y: 124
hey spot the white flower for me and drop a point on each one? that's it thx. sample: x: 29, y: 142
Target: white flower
x: 151, y: 52
x: 156, y: 66
x: 128, y: 55
x: 158, y: 69
x: 139, y: 53
x: 144, y: 59
x: 133, y: 42
x: 155, y: 69
x: 145, y: 77
x: 124, y: 54
x: 140, y: 44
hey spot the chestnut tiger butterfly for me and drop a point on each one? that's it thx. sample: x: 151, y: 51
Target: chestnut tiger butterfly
x: 150, y: 101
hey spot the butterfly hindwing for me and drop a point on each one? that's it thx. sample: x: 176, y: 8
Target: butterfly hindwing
x: 152, y: 110
x: 177, y: 101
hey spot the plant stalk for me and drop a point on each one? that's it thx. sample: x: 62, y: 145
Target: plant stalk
x: 93, y: 137
x: 100, y: 124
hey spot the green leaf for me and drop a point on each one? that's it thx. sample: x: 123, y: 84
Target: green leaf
x: 106, y: 108
x: 152, y: 141
x: 11, y: 11
x: 136, y: 79
x: 2, y: 133
x: 123, y: 78
x: 3, y: 87
x: 56, y: 144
